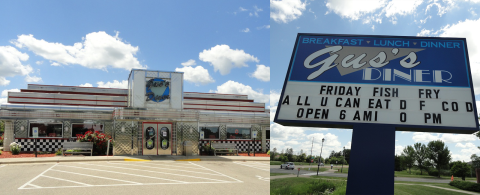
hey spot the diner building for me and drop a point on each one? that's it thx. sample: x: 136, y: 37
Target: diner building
x: 154, y: 116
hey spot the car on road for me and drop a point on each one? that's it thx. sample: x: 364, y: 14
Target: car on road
x: 288, y: 165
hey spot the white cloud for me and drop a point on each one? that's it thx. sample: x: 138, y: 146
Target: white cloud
x: 348, y: 146
x: 256, y: 10
x: 232, y: 87
x: 264, y: 26
x: 445, y: 137
x: 11, y: 64
x: 262, y: 73
x: 223, y: 59
x: 398, y: 150
x: 465, y: 153
x: 424, y: 33
x: 98, y: 50
x: 245, y: 30
x: 39, y: 62
x: 468, y: 29
x: 286, y: 10
x: 442, y: 7
x: 86, y: 85
x: 243, y: 9
x: 190, y: 62
x: 5, y: 92
x: 33, y: 79
x: 401, y: 7
x: 4, y: 95
x: 353, y: 9
x: 197, y: 75
x: 274, y: 97
x: 115, y: 84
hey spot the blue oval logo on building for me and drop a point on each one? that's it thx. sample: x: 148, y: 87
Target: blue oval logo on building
x: 157, y: 90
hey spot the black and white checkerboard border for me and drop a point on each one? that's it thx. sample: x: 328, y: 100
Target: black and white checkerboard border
x: 43, y: 145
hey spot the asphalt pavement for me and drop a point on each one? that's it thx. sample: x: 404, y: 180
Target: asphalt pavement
x: 157, y: 176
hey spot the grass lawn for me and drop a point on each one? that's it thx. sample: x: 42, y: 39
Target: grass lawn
x: 275, y: 174
x: 296, y: 163
x: 315, y: 169
x: 299, y: 185
x: 345, y: 170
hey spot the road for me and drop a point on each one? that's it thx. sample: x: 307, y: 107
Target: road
x: 123, y: 177
x: 276, y: 169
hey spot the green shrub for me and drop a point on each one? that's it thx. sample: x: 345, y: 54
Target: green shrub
x: 0, y: 152
x: 433, y: 172
x: 58, y: 152
x: 322, y: 187
x: 15, y: 148
x: 465, y: 185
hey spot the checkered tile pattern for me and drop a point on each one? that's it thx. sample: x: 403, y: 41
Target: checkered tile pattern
x: 268, y: 145
x: 50, y: 145
x: 242, y: 146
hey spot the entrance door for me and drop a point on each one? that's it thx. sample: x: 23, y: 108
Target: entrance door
x: 157, y: 139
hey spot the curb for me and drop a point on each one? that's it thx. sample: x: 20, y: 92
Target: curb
x: 128, y: 158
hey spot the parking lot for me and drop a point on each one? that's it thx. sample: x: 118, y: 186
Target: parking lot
x: 153, y: 177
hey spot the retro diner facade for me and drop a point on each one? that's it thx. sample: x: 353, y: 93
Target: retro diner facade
x: 154, y: 116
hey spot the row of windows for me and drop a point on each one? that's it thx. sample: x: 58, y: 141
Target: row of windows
x: 55, y: 129
x: 232, y: 133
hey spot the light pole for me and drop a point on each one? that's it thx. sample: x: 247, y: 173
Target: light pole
x: 320, y: 159
x: 343, y: 158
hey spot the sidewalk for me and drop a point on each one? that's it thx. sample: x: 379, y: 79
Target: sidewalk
x: 129, y: 158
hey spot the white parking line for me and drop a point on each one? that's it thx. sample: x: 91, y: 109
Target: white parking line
x: 165, y: 168
x: 263, y: 178
x: 216, y: 172
x: 155, y: 172
x: 55, y: 167
x: 97, y: 176
x: 260, y: 166
x: 2, y: 166
x: 61, y: 179
x: 123, y: 174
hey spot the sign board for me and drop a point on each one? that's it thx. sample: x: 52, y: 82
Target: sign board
x: 413, y: 83
x: 35, y: 132
x: 254, y: 134
x: 202, y: 135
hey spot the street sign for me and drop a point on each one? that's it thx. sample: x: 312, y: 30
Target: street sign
x: 35, y: 132
x: 413, y: 83
x: 254, y: 134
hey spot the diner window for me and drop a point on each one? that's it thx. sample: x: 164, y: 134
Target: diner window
x: 268, y: 134
x: 210, y: 132
x: 47, y: 129
x: 238, y: 133
x: 82, y: 128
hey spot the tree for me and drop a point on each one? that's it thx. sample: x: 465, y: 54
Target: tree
x: 460, y: 169
x: 2, y: 127
x: 408, y: 157
x: 438, y: 154
x: 475, y: 161
x: 399, y: 163
x: 347, y: 155
x: 283, y: 158
x: 421, y: 156
x: 301, y: 157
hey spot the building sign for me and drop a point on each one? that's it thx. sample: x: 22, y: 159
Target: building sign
x: 157, y: 90
x: 35, y: 132
x: 414, y: 83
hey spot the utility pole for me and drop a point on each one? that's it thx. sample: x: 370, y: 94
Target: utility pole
x: 313, y: 138
x: 343, y: 158
x: 320, y: 159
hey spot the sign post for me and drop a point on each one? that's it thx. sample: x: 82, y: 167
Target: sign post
x: 35, y: 136
x: 377, y: 85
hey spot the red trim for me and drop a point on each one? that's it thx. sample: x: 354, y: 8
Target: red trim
x: 65, y: 99
x: 94, y: 105
x: 44, y: 138
x: 230, y: 140
x: 71, y: 92
x: 76, y: 86
x: 195, y: 98
x: 224, y: 105
x: 223, y: 110
x: 216, y: 93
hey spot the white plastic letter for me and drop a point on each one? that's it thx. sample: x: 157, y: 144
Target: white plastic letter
x: 413, y: 57
x: 326, y: 63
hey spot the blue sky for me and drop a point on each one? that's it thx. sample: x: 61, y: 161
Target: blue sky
x: 221, y: 46
x: 374, y: 17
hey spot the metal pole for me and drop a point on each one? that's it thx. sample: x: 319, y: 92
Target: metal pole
x: 108, y: 146
x: 35, y: 147
x: 343, y: 159
x: 309, y: 164
x: 253, y: 146
x: 320, y: 158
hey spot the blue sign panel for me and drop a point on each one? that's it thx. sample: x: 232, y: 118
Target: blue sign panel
x: 413, y: 82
